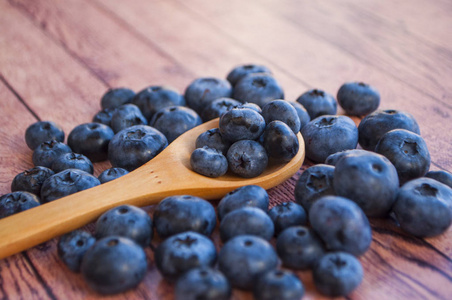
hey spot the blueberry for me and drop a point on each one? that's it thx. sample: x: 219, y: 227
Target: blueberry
x: 358, y: 98
x: 258, y: 88
x: 212, y: 138
x: 202, y: 91
x: 134, y: 146
x: 153, y: 98
x: 424, y: 207
x: 241, y: 124
x: 244, y: 258
x: 172, y: 121
x: 208, y: 162
x: 302, y: 113
x: 241, y: 71
x: 247, y: 158
x: 113, y: 265
x: 335, y: 157
x: 328, y: 134
x: 246, y: 221
x: 375, y: 125
x: 72, y: 161
x: 111, y: 174
x: 314, y: 182
x: 341, y: 224
x: 245, y: 196
x: 183, y: 252
x: 16, y: 202
x: 31, y: 180
x: 278, y: 284
x: 287, y: 214
x: 73, y: 246
x: 252, y: 106
x: 407, y: 151
x: 217, y: 108
x: 281, y: 110
x: 43, y: 131
x: 116, y: 97
x: 280, y: 142
x: 181, y: 213
x: 47, y: 152
x: 91, y: 140
x: 126, y: 116
x: 127, y: 221
x: 318, y: 103
x: 337, y: 274
x: 65, y: 183
x: 370, y: 180
x: 441, y: 176
x: 104, y: 116
x: 299, y: 247
x: 202, y: 283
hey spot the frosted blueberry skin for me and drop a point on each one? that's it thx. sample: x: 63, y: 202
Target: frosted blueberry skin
x: 126, y: 116
x: 358, y: 98
x: 299, y: 248
x: 212, y: 138
x: 104, y: 116
x: 245, y: 196
x: 16, y: 202
x: 247, y: 158
x: 208, y: 162
x: 91, y: 140
x: 111, y: 174
x: 258, y: 88
x: 281, y: 110
x: 302, y: 113
x: 241, y: 124
x: 315, y: 182
x: 337, y: 274
x: 441, y: 176
x: 318, y: 103
x: 134, y: 146
x: 43, y: 131
x: 113, y: 265
x: 47, y: 152
x: 244, y: 258
x: 72, y: 247
x: 407, y: 151
x: 341, y: 224
x: 329, y: 134
x: 65, y: 183
x: 373, y: 126
x: 72, y: 161
x: 202, y: 283
x: 202, y: 91
x: 241, y: 71
x: 152, y: 99
x: 246, y: 221
x: 116, y: 97
x: 424, y: 207
x: 172, y: 121
x: 278, y: 284
x: 252, y: 106
x: 287, y: 214
x: 182, y: 252
x: 176, y: 214
x: 31, y: 180
x: 217, y: 108
x: 335, y: 157
x: 280, y: 142
x: 370, y: 180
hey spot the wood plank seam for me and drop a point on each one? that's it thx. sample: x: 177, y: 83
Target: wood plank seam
x: 40, y: 279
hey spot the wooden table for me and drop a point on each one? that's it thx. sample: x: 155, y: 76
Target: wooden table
x: 58, y: 57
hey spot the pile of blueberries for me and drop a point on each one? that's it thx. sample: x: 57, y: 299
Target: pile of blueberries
x: 324, y: 230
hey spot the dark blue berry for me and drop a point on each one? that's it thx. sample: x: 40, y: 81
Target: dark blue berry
x: 252, y: 106
x: 113, y: 265
x: 73, y: 246
x: 72, y: 161
x: 258, y: 88
x: 441, y: 176
x: 208, y: 162
x: 241, y: 71
x: 247, y: 158
x: 31, y: 180
x: 212, y: 138
x: 47, y: 152
x: 116, y: 97
x: 154, y: 98
x: 43, y: 131
x: 126, y: 116
x: 335, y: 157
x: 241, y: 124
x: 218, y: 107
x: 302, y: 113
x: 287, y: 214
x: 104, y: 116
x: 111, y: 174
x: 278, y: 284
x: 91, y: 140
x: 280, y: 142
x: 202, y: 283
x: 318, y: 103
x: 358, y: 98
x: 281, y: 110
x: 202, y: 91
x: 245, y: 196
x: 16, y: 202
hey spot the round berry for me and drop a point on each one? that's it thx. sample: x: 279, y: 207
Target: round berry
x: 318, y: 103
x: 73, y: 246
x: 91, y: 140
x: 358, y: 98
x: 208, y: 162
x: 31, y: 180
x: 43, y: 131
x: 202, y: 283
x: 16, y: 202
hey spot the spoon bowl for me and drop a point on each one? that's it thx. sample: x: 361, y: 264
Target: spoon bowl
x: 167, y: 174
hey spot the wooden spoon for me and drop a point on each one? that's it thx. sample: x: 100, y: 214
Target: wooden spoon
x: 169, y: 173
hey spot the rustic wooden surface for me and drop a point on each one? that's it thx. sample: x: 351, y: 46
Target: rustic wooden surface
x: 58, y: 57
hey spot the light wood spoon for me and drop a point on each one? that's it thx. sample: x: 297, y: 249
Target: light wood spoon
x: 169, y: 173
